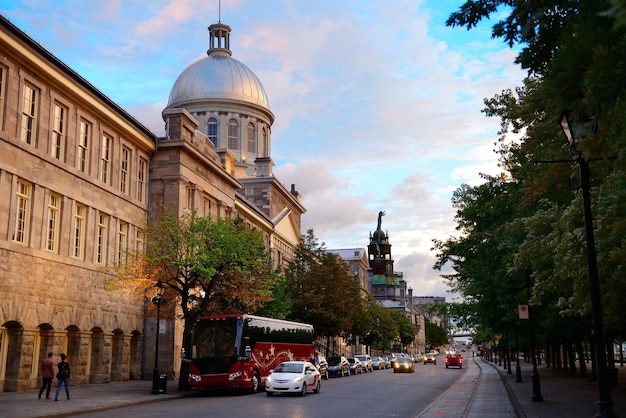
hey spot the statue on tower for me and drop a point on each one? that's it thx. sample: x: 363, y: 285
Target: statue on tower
x: 380, y: 219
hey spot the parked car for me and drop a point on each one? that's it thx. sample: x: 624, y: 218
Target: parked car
x: 366, y: 361
x: 388, y: 358
x: 430, y: 358
x: 403, y: 365
x: 293, y: 377
x: 322, y: 366
x: 454, y: 360
x: 338, y: 366
x: 379, y: 363
x: 356, y: 367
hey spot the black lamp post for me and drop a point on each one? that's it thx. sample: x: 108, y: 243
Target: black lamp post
x: 575, y: 133
x: 158, y: 289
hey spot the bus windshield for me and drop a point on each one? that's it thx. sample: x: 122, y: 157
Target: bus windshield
x: 216, y: 338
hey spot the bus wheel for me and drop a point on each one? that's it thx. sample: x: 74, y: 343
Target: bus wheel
x: 256, y: 382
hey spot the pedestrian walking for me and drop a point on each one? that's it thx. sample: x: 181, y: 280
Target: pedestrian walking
x: 63, y: 378
x: 47, y: 373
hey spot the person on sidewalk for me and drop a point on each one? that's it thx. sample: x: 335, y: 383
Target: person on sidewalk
x: 47, y: 372
x: 63, y: 378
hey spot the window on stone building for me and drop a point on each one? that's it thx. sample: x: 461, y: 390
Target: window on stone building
x: 3, y: 88
x: 251, y: 138
x: 22, y: 218
x: 122, y: 242
x: 79, y: 232
x: 212, y: 131
x: 84, y: 140
x: 142, y: 174
x: 140, y: 240
x: 30, y: 96
x: 53, y: 223
x: 102, y: 233
x: 105, y: 159
x: 58, y: 132
x: 233, y: 134
x: 124, y: 170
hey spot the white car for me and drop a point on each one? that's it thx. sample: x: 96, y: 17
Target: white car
x: 293, y: 377
x: 366, y: 361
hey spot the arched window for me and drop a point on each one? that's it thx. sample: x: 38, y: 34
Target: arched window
x: 212, y: 131
x: 233, y: 134
x: 251, y: 138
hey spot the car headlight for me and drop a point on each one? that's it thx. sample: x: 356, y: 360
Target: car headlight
x: 234, y: 376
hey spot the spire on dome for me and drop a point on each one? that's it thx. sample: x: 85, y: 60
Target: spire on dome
x: 219, y: 40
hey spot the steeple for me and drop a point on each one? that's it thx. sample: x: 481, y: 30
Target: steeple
x: 379, y: 250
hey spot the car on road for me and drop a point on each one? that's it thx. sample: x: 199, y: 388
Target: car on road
x: 403, y: 365
x: 293, y: 377
x: 418, y: 358
x: 454, y: 360
x: 338, y: 366
x: 388, y: 359
x: 322, y: 366
x: 356, y: 367
x: 379, y: 363
x: 430, y: 358
x: 366, y: 361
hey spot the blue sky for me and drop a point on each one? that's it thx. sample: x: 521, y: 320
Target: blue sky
x: 377, y: 103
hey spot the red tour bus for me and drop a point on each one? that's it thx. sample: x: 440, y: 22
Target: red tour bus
x: 237, y: 351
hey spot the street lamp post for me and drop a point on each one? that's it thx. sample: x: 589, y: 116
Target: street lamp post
x: 158, y: 289
x: 574, y: 133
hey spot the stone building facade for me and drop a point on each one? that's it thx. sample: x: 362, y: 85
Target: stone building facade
x: 80, y: 177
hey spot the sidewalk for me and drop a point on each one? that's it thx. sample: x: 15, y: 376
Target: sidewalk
x: 85, y: 398
x: 563, y: 395
x: 485, y: 390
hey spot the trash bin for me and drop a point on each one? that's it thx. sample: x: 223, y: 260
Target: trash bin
x: 163, y: 383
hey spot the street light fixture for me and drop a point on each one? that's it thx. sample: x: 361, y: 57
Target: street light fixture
x: 158, y: 290
x: 576, y: 132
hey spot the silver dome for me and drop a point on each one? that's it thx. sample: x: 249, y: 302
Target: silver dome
x: 217, y: 77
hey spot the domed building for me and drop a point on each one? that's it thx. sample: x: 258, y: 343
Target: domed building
x: 82, y: 177
x: 215, y: 158
x: 229, y: 102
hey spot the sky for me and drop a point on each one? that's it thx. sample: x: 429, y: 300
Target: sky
x: 378, y: 103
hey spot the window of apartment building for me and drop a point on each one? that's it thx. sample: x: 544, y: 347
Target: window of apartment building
x: 190, y: 192
x: 124, y: 168
x: 29, y: 113
x: 58, y: 131
x: 122, y: 242
x: 233, y: 134
x: 105, y: 159
x: 84, y: 140
x: 21, y: 222
x: 101, y: 236
x: 79, y: 231
x: 142, y: 174
x: 251, y: 137
x: 3, y: 88
x: 54, y: 219
x: 212, y: 131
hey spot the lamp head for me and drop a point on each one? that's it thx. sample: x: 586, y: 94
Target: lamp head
x: 576, y: 131
x: 158, y: 289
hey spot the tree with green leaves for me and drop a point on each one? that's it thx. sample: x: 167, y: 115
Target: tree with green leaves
x: 206, y: 265
x: 436, y: 336
x: 322, y: 290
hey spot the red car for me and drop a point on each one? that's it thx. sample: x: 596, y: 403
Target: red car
x: 455, y: 360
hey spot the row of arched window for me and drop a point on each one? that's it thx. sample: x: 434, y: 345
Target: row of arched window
x: 253, y: 144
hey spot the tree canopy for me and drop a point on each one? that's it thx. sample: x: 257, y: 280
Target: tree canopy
x: 521, y: 234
